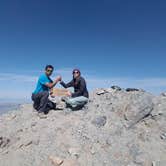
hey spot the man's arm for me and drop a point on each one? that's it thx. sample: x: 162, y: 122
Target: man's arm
x: 52, y: 84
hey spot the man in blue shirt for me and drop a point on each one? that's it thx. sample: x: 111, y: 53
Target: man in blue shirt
x: 41, y: 93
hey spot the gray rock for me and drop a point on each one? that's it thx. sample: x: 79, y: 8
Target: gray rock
x: 4, y: 142
x: 138, y: 109
x: 56, y: 161
x: 74, y: 152
x: 100, y: 121
x: 159, y: 163
x: 163, y: 94
x: 142, y: 159
x: 163, y: 136
x: 109, y: 141
x: 134, y: 151
x: 33, y: 124
x: 132, y: 90
x: 101, y: 92
x: 116, y: 88
x: 36, y: 142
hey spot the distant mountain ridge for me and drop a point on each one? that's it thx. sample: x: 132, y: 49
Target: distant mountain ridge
x: 5, y: 107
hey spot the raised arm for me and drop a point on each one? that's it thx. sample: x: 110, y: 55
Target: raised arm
x: 53, y: 83
x: 70, y: 84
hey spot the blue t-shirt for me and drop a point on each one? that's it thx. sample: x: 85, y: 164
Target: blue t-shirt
x: 43, y: 79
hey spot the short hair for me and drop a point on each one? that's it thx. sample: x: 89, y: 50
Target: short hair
x: 49, y: 66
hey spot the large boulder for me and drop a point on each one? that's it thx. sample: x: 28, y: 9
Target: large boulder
x: 138, y: 108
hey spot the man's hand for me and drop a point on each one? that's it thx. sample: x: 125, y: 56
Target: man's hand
x: 51, y: 93
x: 51, y: 85
x: 58, y: 79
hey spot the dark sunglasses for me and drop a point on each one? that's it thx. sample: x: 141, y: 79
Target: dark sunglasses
x: 50, y: 71
x: 75, y: 72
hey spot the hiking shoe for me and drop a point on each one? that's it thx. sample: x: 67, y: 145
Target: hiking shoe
x: 51, y: 105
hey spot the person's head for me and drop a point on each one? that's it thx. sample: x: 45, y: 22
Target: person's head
x: 49, y: 69
x: 76, y: 73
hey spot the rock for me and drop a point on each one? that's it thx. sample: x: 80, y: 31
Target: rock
x: 56, y: 161
x: 92, y: 150
x: 132, y: 90
x: 163, y: 136
x: 11, y: 117
x: 141, y: 159
x: 134, y: 151
x: 20, y: 131
x: 97, y: 105
x: 70, y: 162
x: 163, y: 94
x: 36, y: 142
x: 117, y: 88
x: 33, y: 124
x: 155, y: 113
x: 159, y: 163
x: 28, y: 143
x: 20, y: 146
x: 74, y: 152
x: 4, y: 142
x: 138, y: 110
x: 159, y: 108
x: 42, y: 116
x: 100, y: 121
x: 5, y: 152
x: 101, y: 92
x: 109, y: 141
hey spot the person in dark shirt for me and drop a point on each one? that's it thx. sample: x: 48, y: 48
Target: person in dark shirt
x: 80, y: 96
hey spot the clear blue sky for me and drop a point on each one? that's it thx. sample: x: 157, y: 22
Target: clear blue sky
x: 108, y: 39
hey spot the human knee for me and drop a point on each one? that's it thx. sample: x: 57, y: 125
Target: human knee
x: 70, y: 101
x: 45, y: 94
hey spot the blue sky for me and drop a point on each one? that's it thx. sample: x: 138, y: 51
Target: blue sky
x: 119, y: 42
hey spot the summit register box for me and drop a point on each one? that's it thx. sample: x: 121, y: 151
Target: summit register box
x: 59, y: 92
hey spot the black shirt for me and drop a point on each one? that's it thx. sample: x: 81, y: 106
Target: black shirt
x: 79, y: 85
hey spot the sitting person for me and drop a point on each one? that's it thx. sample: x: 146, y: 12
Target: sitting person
x: 80, y: 96
x: 41, y: 93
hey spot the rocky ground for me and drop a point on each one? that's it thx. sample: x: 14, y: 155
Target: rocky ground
x: 116, y: 128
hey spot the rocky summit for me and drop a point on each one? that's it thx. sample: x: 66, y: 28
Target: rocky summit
x: 117, y: 127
